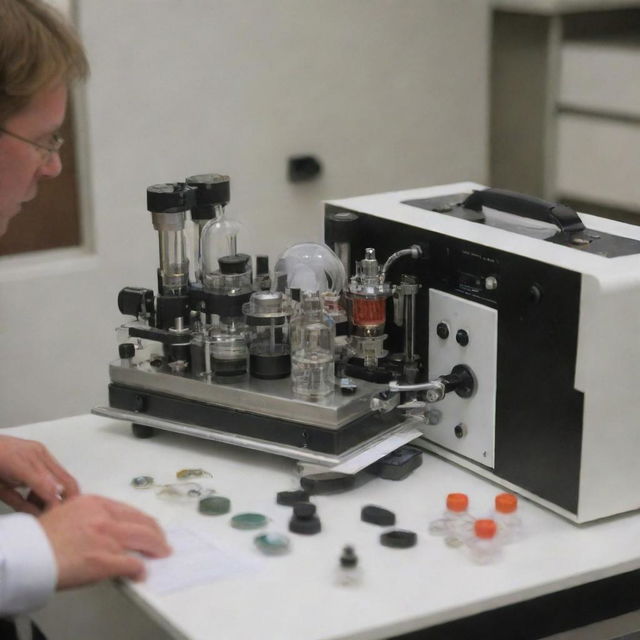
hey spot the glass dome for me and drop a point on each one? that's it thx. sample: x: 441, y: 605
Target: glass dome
x: 310, y: 267
x: 219, y: 239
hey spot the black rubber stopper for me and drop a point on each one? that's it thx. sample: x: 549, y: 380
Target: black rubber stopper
x: 328, y: 482
x: 304, y: 510
x: 377, y: 515
x: 238, y: 263
x: 304, y: 519
x: 399, y: 539
x: 127, y: 350
x: 348, y: 558
x: 289, y: 498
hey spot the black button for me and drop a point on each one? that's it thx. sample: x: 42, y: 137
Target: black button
x: 462, y: 337
x: 442, y: 330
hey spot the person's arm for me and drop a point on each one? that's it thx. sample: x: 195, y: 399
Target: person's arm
x: 28, y: 570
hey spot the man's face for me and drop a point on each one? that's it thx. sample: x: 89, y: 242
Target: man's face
x: 22, y: 165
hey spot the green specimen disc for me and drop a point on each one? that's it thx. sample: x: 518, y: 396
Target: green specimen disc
x: 248, y: 521
x: 214, y: 506
x: 272, y: 544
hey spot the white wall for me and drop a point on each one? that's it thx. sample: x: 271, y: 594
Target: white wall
x: 389, y: 94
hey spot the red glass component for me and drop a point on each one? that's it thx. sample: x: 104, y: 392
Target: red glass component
x: 369, y: 311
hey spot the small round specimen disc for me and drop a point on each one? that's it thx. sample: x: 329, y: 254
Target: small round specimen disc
x: 214, y: 506
x: 399, y: 539
x: 142, y: 482
x: 272, y: 544
x: 248, y: 521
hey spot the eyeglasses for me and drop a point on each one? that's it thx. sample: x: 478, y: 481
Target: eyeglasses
x: 45, y: 150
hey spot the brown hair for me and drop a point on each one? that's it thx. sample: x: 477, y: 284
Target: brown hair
x: 37, y: 47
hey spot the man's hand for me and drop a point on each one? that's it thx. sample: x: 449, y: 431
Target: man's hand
x: 92, y: 538
x: 29, y: 463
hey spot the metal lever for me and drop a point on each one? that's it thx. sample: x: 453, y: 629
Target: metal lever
x: 461, y: 380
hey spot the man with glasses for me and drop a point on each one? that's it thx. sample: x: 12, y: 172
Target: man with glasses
x: 58, y: 538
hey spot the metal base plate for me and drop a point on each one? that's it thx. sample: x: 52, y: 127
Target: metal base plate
x: 304, y: 455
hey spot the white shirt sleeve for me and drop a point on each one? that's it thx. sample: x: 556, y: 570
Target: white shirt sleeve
x: 28, y: 570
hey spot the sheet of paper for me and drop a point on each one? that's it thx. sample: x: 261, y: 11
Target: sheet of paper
x: 378, y: 450
x: 195, y: 560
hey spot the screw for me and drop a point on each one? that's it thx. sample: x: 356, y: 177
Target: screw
x: 432, y: 395
x: 460, y: 430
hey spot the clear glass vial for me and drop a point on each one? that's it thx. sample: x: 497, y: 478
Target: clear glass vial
x: 507, y: 518
x: 312, y: 350
x: 484, y: 545
x: 456, y: 523
x: 348, y: 571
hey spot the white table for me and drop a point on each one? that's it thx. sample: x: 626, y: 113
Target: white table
x: 294, y: 597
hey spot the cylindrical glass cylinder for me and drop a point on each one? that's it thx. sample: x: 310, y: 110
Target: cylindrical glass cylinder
x: 267, y: 315
x: 229, y: 356
x: 174, y: 265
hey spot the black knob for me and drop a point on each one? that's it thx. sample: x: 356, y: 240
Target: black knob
x: 170, y: 197
x: 132, y: 301
x: 211, y: 189
x: 442, y: 330
x: 461, y: 380
x: 462, y: 337
x: 127, y: 350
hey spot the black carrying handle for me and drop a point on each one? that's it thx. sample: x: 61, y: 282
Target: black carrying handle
x: 565, y: 218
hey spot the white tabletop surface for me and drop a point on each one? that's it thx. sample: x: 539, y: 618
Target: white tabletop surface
x: 295, y: 596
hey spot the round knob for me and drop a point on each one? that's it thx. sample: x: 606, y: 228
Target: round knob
x: 127, y: 350
x: 442, y: 330
x: 170, y: 197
